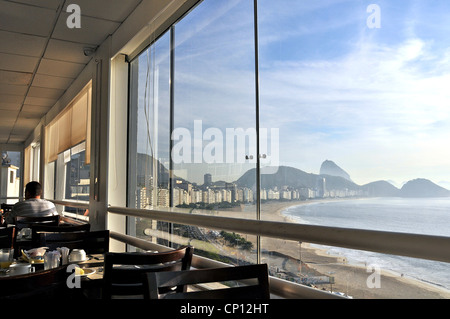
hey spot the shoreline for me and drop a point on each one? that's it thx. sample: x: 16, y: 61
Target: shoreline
x: 351, y: 279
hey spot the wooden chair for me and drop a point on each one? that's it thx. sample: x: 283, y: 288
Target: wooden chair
x: 44, y: 285
x: 66, y: 228
x: 123, y: 272
x: 7, y: 235
x: 155, y: 282
x: 30, y: 221
x: 93, y: 242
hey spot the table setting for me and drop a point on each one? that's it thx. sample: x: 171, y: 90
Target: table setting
x: 37, y: 259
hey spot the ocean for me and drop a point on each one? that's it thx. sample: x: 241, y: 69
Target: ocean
x: 430, y: 216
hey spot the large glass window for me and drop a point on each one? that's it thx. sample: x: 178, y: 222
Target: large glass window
x: 214, y: 135
x: 10, y: 176
x: 359, y: 95
x: 192, y: 149
x: 351, y: 104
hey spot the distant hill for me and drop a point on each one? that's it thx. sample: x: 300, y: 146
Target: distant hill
x: 381, y: 189
x: 295, y: 178
x: 330, y: 168
x: 423, y: 188
x: 145, y: 167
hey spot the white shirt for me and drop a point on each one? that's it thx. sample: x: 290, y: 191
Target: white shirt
x: 32, y: 207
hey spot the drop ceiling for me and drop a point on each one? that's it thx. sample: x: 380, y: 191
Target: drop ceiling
x: 40, y: 56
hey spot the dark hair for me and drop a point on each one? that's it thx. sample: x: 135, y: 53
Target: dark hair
x: 33, y: 189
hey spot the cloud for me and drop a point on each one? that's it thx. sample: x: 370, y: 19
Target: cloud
x: 373, y: 104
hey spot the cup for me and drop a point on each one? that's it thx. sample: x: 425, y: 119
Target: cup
x: 64, y: 251
x: 20, y: 269
x: 77, y: 255
x: 51, y: 259
x: 6, y: 257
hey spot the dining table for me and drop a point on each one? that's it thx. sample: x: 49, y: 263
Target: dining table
x: 85, y: 284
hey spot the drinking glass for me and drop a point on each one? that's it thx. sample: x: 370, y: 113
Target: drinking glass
x: 6, y: 257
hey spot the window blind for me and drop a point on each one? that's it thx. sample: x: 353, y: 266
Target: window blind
x: 70, y: 127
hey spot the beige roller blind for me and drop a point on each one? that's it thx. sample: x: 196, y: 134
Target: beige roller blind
x: 51, y: 134
x: 27, y: 166
x: 64, y: 125
x: 88, y: 125
x: 70, y: 127
x: 79, y: 120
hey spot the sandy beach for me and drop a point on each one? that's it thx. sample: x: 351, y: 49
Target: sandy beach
x: 349, y: 279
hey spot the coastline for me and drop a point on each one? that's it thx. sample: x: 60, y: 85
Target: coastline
x: 350, y: 279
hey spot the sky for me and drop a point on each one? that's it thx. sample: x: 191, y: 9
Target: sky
x: 373, y: 100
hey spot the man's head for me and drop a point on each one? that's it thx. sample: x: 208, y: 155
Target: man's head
x: 33, y: 190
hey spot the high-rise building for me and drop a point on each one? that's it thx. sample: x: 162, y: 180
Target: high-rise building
x: 207, y: 180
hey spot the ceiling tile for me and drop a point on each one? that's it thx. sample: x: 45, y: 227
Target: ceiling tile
x: 34, y: 110
x: 22, y: 44
x: 19, y: 63
x: 60, y: 68
x: 9, y: 106
x: 66, y: 51
x: 40, y: 101
x: 93, y: 31
x: 18, y: 138
x: 8, y: 117
x: 27, y: 121
x: 27, y: 19
x: 5, y: 130
x: 50, y: 4
x: 16, y: 99
x: 13, y: 89
x: 15, y: 78
x: 114, y: 10
x: 50, y: 81
x: 45, y: 92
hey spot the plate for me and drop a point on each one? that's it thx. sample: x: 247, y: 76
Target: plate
x: 87, y: 272
x: 38, y: 260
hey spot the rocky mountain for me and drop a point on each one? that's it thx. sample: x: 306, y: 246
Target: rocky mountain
x: 294, y: 178
x: 330, y: 168
x: 423, y: 188
x: 297, y: 179
x: 381, y: 189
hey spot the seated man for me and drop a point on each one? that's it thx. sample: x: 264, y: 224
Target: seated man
x: 33, y: 205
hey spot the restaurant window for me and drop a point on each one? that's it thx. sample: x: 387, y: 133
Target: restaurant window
x: 189, y: 145
x: 10, y: 174
x: 352, y: 111
x: 359, y: 94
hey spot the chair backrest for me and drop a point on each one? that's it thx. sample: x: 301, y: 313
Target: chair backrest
x: 93, y: 242
x: 156, y: 282
x: 30, y: 221
x: 46, y: 284
x: 123, y: 272
x: 61, y: 228
x: 7, y: 235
